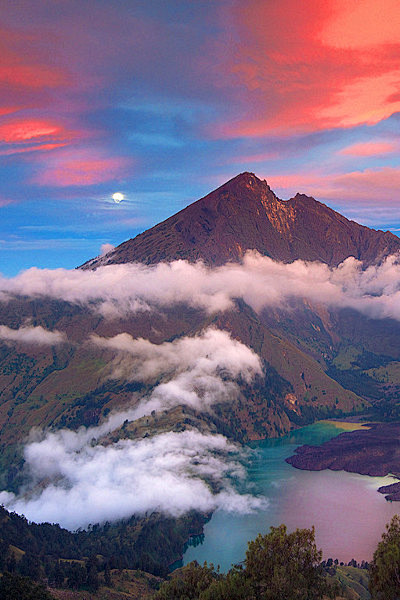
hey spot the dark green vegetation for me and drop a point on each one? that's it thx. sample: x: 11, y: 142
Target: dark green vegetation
x: 278, y: 566
x: 385, y: 567
x: 150, y: 544
x: 18, y: 587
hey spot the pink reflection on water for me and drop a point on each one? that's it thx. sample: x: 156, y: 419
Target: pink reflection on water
x: 348, y: 513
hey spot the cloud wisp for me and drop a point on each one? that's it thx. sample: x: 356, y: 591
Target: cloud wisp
x: 32, y: 335
x: 196, y: 371
x: 76, y: 477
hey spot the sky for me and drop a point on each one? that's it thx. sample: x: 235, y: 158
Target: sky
x: 164, y: 101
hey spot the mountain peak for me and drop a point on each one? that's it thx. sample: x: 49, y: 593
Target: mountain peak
x: 245, y: 214
x: 248, y: 180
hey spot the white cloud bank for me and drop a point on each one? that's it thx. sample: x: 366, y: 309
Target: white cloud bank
x: 120, y: 289
x: 166, y: 473
x: 32, y: 335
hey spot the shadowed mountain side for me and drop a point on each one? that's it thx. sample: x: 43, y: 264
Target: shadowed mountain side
x: 245, y: 214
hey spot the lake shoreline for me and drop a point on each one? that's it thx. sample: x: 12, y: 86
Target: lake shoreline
x: 372, y: 449
x: 348, y: 515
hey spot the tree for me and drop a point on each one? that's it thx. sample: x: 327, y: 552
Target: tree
x: 233, y: 586
x: 76, y: 575
x: 30, y: 566
x: 282, y: 566
x: 11, y: 563
x: 92, y: 578
x: 385, y: 567
x: 187, y: 583
x: 56, y: 575
x: 17, y: 587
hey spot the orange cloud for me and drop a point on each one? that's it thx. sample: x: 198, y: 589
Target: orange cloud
x: 295, y: 69
x: 356, y: 24
x: 367, y: 100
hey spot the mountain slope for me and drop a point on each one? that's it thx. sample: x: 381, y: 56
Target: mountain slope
x: 317, y: 361
x: 245, y: 214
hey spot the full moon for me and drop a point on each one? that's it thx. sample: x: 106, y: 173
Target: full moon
x: 118, y: 197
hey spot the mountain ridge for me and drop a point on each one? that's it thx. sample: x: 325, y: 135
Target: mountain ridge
x: 245, y: 214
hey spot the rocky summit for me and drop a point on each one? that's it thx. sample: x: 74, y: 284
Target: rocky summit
x: 245, y: 214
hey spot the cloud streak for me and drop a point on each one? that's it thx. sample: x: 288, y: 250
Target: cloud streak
x: 283, y: 66
x: 32, y: 335
x: 375, y: 187
x: 119, y: 290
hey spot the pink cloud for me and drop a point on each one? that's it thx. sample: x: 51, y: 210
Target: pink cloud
x: 28, y: 69
x: 22, y: 130
x: 375, y: 187
x: 370, y: 148
x: 34, y: 148
x: 5, y: 201
x: 82, y: 168
x: 259, y: 157
x: 60, y: 66
x: 30, y: 76
x: 370, y: 185
x: 26, y: 135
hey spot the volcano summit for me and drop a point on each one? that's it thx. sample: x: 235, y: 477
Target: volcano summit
x: 245, y: 214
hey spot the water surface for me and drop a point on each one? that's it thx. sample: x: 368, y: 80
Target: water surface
x: 348, y: 513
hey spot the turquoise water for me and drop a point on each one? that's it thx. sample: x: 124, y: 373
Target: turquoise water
x: 348, y: 513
